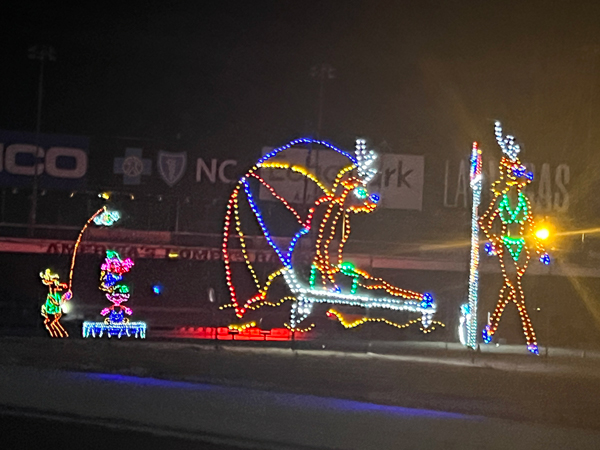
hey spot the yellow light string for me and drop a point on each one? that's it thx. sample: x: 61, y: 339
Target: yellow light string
x: 230, y: 206
x: 242, y: 327
x: 340, y: 174
x: 294, y: 168
x: 238, y: 229
x: 345, y: 236
x: 326, y: 261
x: 263, y: 290
x: 310, y: 176
x: 280, y: 302
x: 363, y: 320
x: 299, y: 330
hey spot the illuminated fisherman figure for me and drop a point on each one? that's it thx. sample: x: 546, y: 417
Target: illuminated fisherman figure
x: 508, y: 225
x: 322, y: 279
x: 52, y: 309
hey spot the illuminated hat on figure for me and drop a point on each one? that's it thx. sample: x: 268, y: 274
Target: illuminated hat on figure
x: 49, y: 278
x: 510, y: 165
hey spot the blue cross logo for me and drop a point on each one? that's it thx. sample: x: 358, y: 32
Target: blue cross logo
x: 132, y: 166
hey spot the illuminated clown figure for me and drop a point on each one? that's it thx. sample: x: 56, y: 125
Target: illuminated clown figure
x: 52, y: 309
x: 509, y: 227
x: 116, y: 324
x: 318, y: 273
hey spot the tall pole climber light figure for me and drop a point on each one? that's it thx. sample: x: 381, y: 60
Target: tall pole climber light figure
x: 468, y: 321
x: 510, y: 229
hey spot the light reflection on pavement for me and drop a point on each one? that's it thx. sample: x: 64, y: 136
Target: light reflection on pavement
x: 268, y: 419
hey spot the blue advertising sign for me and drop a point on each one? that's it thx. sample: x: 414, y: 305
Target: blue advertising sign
x: 62, y: 160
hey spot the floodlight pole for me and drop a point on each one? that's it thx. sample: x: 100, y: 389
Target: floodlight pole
x: 42, y: 53
x: 322, y: 72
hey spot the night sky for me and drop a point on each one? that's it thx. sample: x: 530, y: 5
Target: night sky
x: 425, y: 77
x: 231, y: 72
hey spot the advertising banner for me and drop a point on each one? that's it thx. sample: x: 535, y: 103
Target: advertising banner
x: 399, y: 181
x: 62, y: 160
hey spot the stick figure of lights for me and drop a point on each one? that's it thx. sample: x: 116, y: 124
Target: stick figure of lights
x: 512, y: 237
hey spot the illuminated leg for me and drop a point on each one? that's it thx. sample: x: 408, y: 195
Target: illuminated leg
x: 505, y: 297
x: 49, y: 327
x: 59, y: 328
x: 526, y: 321
x: 55, y: 326
x: 300, y: 311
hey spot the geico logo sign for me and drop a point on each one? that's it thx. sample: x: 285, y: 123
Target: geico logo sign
x: 59, y: 162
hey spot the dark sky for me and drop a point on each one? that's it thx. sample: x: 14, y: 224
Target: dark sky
x: 425, y: 76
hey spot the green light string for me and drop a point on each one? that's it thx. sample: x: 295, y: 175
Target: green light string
x: 509, y: 215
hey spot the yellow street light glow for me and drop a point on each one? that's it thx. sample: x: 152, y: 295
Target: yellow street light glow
x: 542, y: 233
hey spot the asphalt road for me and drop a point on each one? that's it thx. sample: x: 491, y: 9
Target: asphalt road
x: 24, y: 430
x: 265, y: 398
x: 259, y: 419
x: 561, y: 392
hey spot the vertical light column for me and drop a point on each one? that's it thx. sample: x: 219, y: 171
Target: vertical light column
x: 476, y: 182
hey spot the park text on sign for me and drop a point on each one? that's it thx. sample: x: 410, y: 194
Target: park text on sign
x: 399, y: 180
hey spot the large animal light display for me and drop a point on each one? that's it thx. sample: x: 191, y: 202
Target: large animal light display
x: 116, y: 324
x: 510, y: 229
x: 324, y: 225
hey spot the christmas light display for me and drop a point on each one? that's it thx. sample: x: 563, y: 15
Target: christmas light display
x: 512, y: 236
x: 52, y: 309
x: 348, y: 194
x: 116, y: 324
x: 468, y: 322
x: 347, y: 324
x: 100, y: 217
x: 107, y: 218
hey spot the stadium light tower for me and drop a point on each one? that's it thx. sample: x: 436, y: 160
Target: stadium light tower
x: 42, y: 53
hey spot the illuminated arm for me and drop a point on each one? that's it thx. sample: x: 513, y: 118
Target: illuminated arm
x: 486, y: 221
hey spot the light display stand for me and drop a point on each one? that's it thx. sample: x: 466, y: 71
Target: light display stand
x: 116, y: 324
